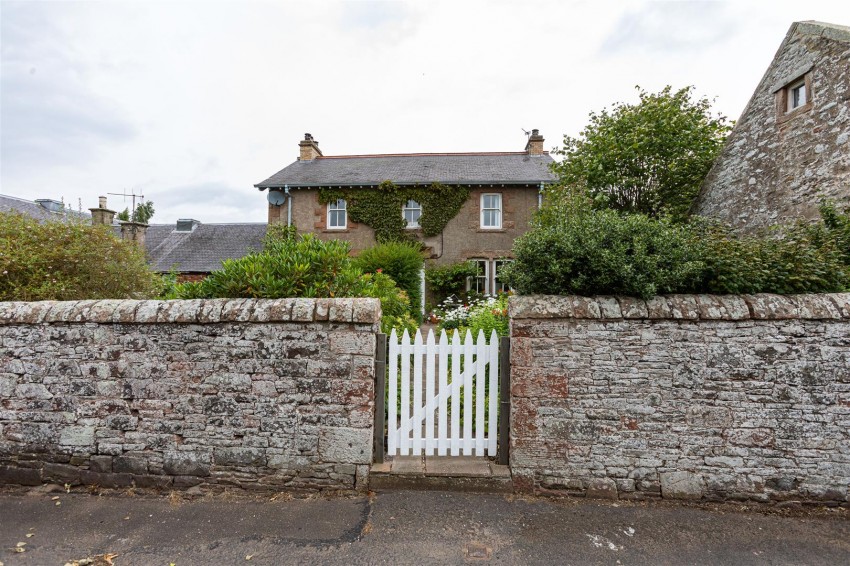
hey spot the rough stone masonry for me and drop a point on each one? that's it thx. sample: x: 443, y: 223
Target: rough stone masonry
x: 683, y: 396
x: 256, y: 394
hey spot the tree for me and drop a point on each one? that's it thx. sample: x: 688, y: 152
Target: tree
x: 143, y: 213
x: 69, y: 261
x: 648, y: 157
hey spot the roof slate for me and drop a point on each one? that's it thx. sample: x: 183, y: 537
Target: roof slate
x: 419, y: 168
x: 35, y: 210
x: 203, y: 249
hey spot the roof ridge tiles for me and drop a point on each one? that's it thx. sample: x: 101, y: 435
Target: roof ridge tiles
x: 425, y: 154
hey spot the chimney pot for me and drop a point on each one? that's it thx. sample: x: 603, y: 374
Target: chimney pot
x: 101, y: 202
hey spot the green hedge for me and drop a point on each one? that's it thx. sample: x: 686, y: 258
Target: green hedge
x: 70, y: 260
x: 289, y: 266
x: 402, y: 261
x: 575, y: 249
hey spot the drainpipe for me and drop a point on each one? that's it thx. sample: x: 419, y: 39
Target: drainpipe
x: 540, y: 197
x: 288, y: 206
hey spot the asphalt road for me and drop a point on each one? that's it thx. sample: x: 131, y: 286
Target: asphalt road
x: 408, y: 527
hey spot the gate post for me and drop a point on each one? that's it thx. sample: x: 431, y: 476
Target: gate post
x: 380, y: 397
x: 504, y: 452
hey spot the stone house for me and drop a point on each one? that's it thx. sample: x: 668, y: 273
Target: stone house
x: 504, y: 191
x: 791, y: 147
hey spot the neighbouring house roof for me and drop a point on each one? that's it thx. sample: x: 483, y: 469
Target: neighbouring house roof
x: 43, y: 209
x: 203, y: 248
x: 415, y: 168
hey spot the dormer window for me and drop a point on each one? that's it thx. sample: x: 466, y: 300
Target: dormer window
x: 411, y: 211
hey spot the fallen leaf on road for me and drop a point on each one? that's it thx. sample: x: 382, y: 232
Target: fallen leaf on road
x: 54, y: 498
x: 67, y: 488
x: 98, y: 560
x: 58, y: 503
x: 20, y: 544
x: 30, y: 535
x: 249, y: 557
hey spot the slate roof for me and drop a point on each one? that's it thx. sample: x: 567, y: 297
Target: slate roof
x: 37, y: 211
x: 415, y: 168
x: 203, y: 249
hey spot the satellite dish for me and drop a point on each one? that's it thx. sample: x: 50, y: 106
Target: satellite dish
x: 276, y: 198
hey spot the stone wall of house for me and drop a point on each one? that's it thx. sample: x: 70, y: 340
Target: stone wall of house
x: 255, y: 394
x: 777, y: 164
x: 684, y: 396
x: 462, y: 238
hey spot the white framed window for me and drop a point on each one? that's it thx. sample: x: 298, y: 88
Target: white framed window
x: 411, y: 211
x: 796, y: 95
x: 491, y: 210
x: 480, y: 282
x: 498, y: 285
x: 337, y: 215
x: 487, y: 278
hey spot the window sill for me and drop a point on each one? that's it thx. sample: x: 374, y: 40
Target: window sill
x: 491, y: 230
x: 790, y: 115
x: 335, y: 231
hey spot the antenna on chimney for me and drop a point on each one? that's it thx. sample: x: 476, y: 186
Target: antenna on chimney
x: 526, y: 132
x: 133, y: 195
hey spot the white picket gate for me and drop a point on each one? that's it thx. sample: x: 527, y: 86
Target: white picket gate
x: 445, y: 380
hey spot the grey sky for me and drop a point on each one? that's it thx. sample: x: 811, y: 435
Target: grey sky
x: 191, y: 103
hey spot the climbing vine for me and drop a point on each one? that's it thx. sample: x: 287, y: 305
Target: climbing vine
x: 380, y: 208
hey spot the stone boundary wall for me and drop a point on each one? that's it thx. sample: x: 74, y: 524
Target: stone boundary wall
x: 255, y: 394
x: 682, y: 396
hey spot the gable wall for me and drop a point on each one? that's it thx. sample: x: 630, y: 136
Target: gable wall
x: 773, y: 171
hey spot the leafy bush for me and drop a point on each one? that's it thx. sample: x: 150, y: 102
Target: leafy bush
x: 801, y: 258
x: 395, y: 304
x: 575, y: 249
x: 301, y: 267
x: 588, y: 252
x: 402, y: 261
x: 287, y: 267
x: 69, y: 261
x: 489, y: 316
x: 446, y: 280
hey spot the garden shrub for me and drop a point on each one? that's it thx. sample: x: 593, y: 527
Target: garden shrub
x: 287, y: 267
x: 576, y: 249
x: 290, y: 266
x: 589, y: 252
x: 402, y: 261
x: 802, y: 258
x: 395, y: 304
x: 446, y: 280
x: 67, y: 261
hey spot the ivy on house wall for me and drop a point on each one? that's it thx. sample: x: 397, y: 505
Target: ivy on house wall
x: 380, y: 208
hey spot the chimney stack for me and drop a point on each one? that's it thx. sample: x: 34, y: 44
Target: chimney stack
x: 309, y: 148
x: 134, y: 232
x: 101, y: 214
x: 535, y: 143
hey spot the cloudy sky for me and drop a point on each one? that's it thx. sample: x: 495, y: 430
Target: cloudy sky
x: 192, y: 103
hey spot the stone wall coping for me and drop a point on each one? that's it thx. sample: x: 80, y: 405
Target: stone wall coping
x: 833, y: 306
x: 193, y: 311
